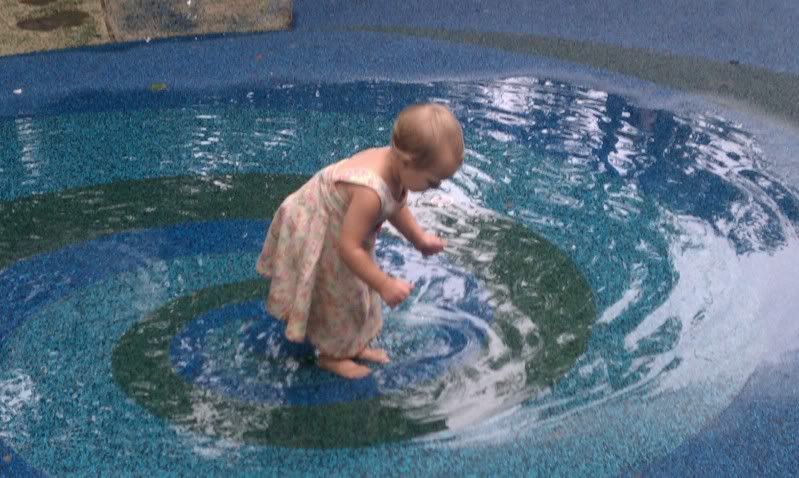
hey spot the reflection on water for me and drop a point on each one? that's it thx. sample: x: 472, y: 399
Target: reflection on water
x: 17, y: 391
x: 542, y: 311
x: 659, y: 211
x: 624, y: 253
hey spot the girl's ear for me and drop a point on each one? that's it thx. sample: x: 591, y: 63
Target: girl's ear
x: 405, y: 159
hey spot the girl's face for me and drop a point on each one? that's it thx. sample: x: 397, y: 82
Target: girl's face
x: 418, y: 180
x: 422, y: 179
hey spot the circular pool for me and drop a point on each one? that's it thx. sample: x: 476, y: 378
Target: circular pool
x: 615, y: 274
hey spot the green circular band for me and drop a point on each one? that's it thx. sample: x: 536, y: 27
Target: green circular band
x: 142, y: 368
x: 528, y: 276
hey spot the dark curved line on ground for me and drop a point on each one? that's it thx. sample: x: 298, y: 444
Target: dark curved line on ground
x: 729, y: 83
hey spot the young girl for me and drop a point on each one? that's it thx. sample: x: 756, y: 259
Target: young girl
x: 319, y: 251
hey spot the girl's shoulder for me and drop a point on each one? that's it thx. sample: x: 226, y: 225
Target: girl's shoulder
x: 364, y: 168
x: 360, y: 171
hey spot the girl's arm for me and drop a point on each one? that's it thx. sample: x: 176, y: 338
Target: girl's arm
x: 406, y: 224
x: 359, y: 220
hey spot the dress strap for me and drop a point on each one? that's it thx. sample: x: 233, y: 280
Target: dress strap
x: 367, y: 177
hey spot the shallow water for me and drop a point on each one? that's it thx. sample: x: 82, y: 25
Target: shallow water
x: 614, y: 276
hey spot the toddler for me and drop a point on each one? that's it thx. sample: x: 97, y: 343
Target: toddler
x: 319, y: 250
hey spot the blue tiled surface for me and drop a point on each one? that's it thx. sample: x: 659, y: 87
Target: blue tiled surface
x: 757, y: 435
x: 60, y: 81
x: 72, y: 269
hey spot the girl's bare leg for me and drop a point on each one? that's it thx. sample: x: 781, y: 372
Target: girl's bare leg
x: 343, y: 367
x: 374, y: 355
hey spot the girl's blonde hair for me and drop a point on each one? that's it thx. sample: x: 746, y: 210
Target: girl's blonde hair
x: 421, y: 130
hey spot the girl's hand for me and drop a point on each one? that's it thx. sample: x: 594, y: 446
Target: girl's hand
x: 430, y: 244
x: 295, y: 330
x: 393, y: 291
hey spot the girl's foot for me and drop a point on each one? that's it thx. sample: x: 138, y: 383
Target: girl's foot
x: 374, y: 355
x: 343, y: 367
